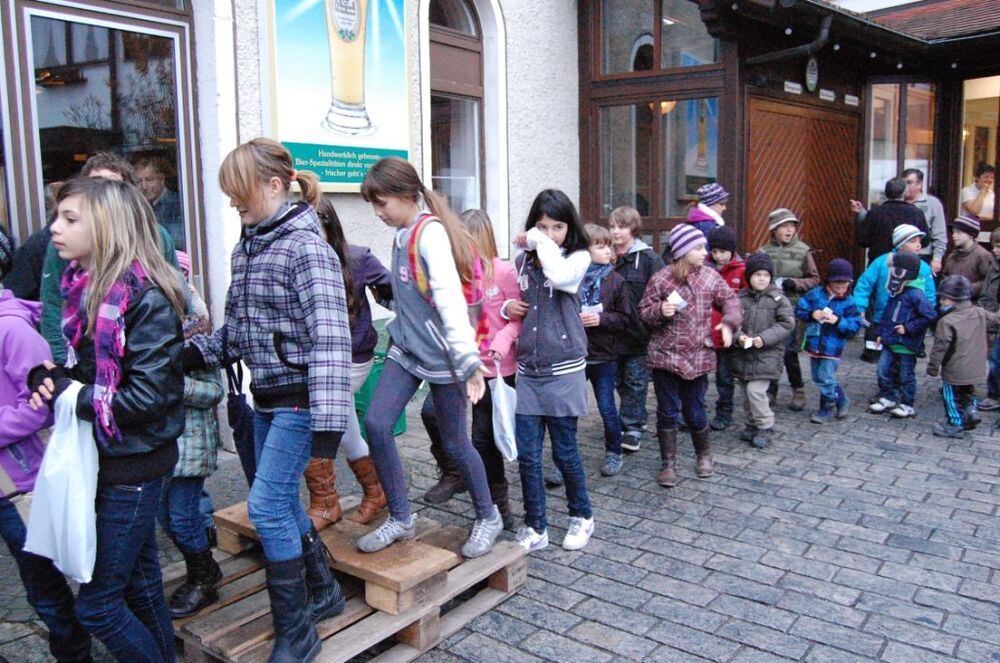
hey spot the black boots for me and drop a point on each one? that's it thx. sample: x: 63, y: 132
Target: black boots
x: 668, y: 458
x: 326, y: 599
x: 199, y: 588
x: 295, y: 638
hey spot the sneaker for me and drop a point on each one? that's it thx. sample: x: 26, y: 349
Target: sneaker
x: 761, y: 439
x: 823, y: 414
x: 947, y: 430
x: 579, y: 533
x: 881, y: 405
x: 989, y: 404
x: 553, y: 477
x: 748, y: 433
x: 612, y: 464
x: 484, y: 533
x: 387, y: 533
x: 531, y: 540
x: 631, y: 441
x: 903, y: 411
x: 720, y: 422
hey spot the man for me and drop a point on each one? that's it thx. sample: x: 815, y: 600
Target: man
x: 979, y: 198
x: 150, y: 176
x: 874, y: 228
x: 934, y: 215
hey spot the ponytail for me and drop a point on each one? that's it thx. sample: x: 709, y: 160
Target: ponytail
x: 309, y: 186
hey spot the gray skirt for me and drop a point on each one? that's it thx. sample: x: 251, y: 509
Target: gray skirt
x: 553, y: 396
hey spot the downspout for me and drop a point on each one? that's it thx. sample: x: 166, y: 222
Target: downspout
x: 798, y: 51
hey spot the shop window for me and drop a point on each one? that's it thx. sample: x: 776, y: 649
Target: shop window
x: 673, y: 28
x: 901, y: 133
x: 980, y: 128
x: 684, y: 41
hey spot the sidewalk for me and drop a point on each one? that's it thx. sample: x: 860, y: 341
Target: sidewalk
x: 865, y: 539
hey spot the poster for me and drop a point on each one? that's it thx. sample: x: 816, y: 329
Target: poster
x: 701, y: 137
x: 340, y: 97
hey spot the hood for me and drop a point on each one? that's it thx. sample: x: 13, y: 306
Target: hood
x: 637, y: 246
x: 299, y: 216
x: 30, y: 312
x: 703, y: 213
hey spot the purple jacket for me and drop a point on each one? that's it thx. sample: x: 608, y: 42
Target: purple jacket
x: 21, y: 348
x: 366, y: 271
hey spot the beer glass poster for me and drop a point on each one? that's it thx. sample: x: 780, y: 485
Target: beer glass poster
x: 339, y: 87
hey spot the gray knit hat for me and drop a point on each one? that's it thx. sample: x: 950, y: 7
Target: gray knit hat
x: 780, y: 216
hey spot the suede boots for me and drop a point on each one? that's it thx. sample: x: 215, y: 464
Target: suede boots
x: 450, y: 482
x: 324, y: 503
x: 373, y: 498
x: 500, y: 494
x: 705, y: 466
x: 668, y: 458
x: 198, y: 590
x: 295, y: 638
x: 326, y: 599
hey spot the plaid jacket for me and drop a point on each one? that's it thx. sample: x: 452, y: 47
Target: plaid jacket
x: 286, y: 318
x: 198, y: 447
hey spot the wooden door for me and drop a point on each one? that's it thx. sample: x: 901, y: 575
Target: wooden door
x: 804, y: 159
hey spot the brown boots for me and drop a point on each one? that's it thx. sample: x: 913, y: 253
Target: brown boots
x: 324, y: 502
x: 798, y: 400
x: 705, y: 466
x: 373, y: 499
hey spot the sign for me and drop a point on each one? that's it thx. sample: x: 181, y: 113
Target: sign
x: 793, y: 88
x: 812, y: 74
x: 851, y: 100
x: 339, y: 92
x: 827, y: 95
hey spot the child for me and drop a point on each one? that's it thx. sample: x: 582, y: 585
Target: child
x: 677, y: 307
x: 551, y: 363
x: 706, y: 215
x: 989, y: 298
x: 795, y: 273
x: 966, y: 257
x: 907, y: 315
x: 606, y: 314
x: 832, y: 318
x: 768, y: 319
x: 635, y: 262
x: 959, y: 342
x: 432, y: 341
x: 732, y: 269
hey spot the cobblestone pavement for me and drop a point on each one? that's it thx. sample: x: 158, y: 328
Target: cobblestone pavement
x: 865, y: 539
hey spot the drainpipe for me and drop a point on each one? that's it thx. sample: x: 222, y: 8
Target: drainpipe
x: 798, y: 51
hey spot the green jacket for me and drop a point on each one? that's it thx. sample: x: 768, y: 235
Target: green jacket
x: 198, y: 447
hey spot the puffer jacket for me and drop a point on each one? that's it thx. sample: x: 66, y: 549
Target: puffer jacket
x: 989, y: 294
x: 911, y: 309
x: 768, y: 314
x: 960, y: 344
x: 824, y: 340
x: 734, y: 274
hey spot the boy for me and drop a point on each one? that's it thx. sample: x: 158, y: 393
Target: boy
x: 768, y: 320
x: 989, y: 299
x: 966, y: 257
x: 959, y: 343
x: 606, y: 312
x: 732, y: 269
x: 795, y: 273
x: 635, y: 262
x: 832, y: 319
x: 907, y: 315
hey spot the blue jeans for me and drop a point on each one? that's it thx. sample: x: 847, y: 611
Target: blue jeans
x: 283, y: 446
x: 529, y: 430
x: 633, y: 383
x: 725, y: 383
x: 46, y: 590
x: 602, y: 377
x: 993, y: 381
x: 675, y: 395
x: 207, y: 509
x: 180, y: 514
x: 897, y: 380
x: 123, y: 604
x: 824, y: 374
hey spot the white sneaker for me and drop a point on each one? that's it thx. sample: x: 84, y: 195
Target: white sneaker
x: 881, y: 405
x: 902, y: 411
x: 484, y: 533
x: 579, y: 533
x: 531, y: 540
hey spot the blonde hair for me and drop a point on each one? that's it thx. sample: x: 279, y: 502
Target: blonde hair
x: 681, y: 268
x: 626, y: 217
x: 251, y: 165
x: 480, y: 228
x: 597, y: 234
x: 123, y: 230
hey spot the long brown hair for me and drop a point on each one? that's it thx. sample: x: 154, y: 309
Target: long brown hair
x: 479, y: 226
x: 329, y: 222
x: 252, y: 164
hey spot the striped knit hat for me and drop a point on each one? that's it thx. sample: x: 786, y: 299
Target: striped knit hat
x: 684, y: 238
x: 967, y: 224
x: 710, y: 194
x: 780, y: 216
x: 903, y: 233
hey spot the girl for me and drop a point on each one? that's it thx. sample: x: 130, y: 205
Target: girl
x: 677, y: 307
x: 121, y: 321
x: 364, y: 270
x: 551, y: 360
x: 286, y: 317
x: 432, y: 340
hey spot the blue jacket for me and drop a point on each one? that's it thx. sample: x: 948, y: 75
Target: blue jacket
x: 911, y: 309
x: 873, y: 282
x: 826, y: 340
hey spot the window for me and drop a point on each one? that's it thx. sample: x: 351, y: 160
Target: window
x: 980, y: 144
x: 673, y: 28
x: 900, y: 133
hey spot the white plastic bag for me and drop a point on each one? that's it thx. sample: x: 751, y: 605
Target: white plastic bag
x: 63, y: 523
x: 504, y: 403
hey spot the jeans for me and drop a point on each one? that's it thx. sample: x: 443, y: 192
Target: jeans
x: 957, y: 399
x: 207, y: 509
x: 395, y: 388
x: 180, y: 513
x: 993, y: 381
x: 602, y: 377
x: 897, y: 380
x: 675, y: 395
x: 824, y: 374
x: 46, y: 590
x: 483, y: 438
x: 725, y: 383
x: 633, y: 383
x: 530, y: 431
x: 123, y: 604
x: 283, y: 446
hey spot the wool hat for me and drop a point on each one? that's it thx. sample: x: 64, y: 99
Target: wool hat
x: 968, y: 224
x: 710, y: 194
x: 956, y: 287
x: 6, y: 251
x: 903, y: 268
x: 780, y: 216
x: 903, y: 233
x: 722, y: 238
x: 184, y: 260
x: 684, y: 238
x: 839, y: 270
x: 759, y: 262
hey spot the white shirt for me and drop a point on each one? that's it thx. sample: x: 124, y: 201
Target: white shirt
x: 971, y: 192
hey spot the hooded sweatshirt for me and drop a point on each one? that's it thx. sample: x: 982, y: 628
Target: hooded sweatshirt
x: 637, y: 266
x: 704, y: 218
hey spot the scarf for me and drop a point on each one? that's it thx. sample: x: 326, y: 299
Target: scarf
x: 590, y: 291
x: 109, y: 337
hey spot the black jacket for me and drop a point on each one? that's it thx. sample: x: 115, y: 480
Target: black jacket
x: 605, y: 342
x: 25, y: 276
x: 149, y: 405
x: 874, y: 232
x: 637, y: 267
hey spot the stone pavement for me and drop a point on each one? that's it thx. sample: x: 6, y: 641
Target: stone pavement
x: 865, y: 539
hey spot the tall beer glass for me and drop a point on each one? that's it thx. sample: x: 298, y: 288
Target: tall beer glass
x: 346, y: 26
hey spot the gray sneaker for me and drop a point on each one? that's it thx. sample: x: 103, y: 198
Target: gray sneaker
x: 484, y: 533
x: 612, y: 464
x: 390, y: 531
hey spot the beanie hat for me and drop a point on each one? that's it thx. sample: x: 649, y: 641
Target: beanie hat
x: 903, y: 233
x: 683, y: 238
x: 723, y: 238
x: 956, y: 287
x: 780, y: 216
x: 184, y: 260
x: 967, y: 224
x: 903, y: 268
x: 710, y: 194
x: 759, y: 262
x: 839, y: 270
x: 6, y: 251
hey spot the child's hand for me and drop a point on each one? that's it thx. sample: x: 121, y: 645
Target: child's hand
x: 832, y: 319
x: 476, y: 386
x: 857, y: 206
x: 495, y: 356
x: 758, y: 342
x: 819, y: 316
x: 668, y: 309
x: 590, y: 319
x: 900, y: 329
x: 741, y: 339
x: 727, y: 334
x: 521, y: 239
x: 516, y: 309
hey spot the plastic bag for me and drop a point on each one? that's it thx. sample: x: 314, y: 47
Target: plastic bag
x: 504, y: 403
x: 63, y: 522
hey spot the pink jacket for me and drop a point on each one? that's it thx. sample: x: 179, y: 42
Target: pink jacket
x: 503, y: 332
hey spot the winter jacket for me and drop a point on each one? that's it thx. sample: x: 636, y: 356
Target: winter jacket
x: 767, y: 314
x: 366, y: 272
x: 973, y: 263
x: 682, y: 344
x: 198, y: 446
x: 794, y: 263
x: 826, y: 340
x: 25, y: 276
x: 21, y: 349
x: 704, y: 219
x: 960, y: 344
x: 989, y: 294
x: 914, y: 311
x: 872, y: 283
x: 605, y: 341
x: 734, y: 274
x: 503, y: 332
x: 637, y: 266
x: 874, y: 230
